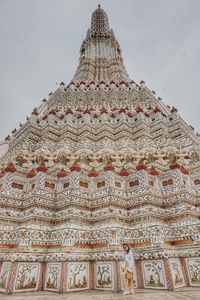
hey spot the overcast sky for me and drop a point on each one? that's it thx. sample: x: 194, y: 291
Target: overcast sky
x: 40, y: 41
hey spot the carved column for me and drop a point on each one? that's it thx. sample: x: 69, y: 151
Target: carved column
x: 91, y: 275
x: 139, y: 274
x: 117, y: 276
x: 185, y: 271
x: 11, y: 278
x: 63, y: 278
x: 168, y: 274
x: 42, y: 276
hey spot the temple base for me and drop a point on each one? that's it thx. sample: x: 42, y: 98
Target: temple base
x: 63, y: 277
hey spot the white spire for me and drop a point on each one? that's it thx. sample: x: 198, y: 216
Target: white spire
x: 100, y: 53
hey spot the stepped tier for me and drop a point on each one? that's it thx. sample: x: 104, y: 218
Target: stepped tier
x: 126, y: 127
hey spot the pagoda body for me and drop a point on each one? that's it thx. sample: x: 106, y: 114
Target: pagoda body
x: 103, y: 161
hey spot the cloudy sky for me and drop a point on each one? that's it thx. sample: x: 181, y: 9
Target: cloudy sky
x: 40, y: 41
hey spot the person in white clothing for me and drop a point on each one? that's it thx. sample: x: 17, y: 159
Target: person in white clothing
x: 128, y: 270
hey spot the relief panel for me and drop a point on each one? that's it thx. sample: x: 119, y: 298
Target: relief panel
x: 52, y: 280
x: 103, y: 275
x: 154, y: 276
x: 177, y: 274
x: 193, y: 265
x: 78, y: 276
x: 4, y: 274
x: 27, y: 277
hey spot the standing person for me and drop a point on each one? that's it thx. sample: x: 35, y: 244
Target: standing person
x: 128, y: 271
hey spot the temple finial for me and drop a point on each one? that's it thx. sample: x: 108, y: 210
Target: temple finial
x: 99, y: 22
x: 100, y: 53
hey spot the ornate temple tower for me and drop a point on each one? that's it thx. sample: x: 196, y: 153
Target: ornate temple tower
x: 101, y: 162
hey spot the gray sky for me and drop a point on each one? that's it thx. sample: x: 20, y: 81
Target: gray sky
x: 40, y: 41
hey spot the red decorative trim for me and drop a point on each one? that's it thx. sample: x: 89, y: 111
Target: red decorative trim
x: 62, y: 173
x: 184, y: 170
x: 174, y: 165
x: 52, y: 112
x: 87, y: 111
x: 153, y: 171
x: 174, y: 109
x: 142, y: 82
x: 69, y: 111
x: 139, y: 109
x: 109, y: 166
x: 42, y: 168
x: 93, y: 173
x: 141, y: 166
x: 31, y: 174
x: 123, y: 172
x: 75, y: 167
x: 156, y: 109
x: 122, y: 110
x: 34, y: 112
x: 130, y: 114
x: 10, y: 168
x: 104, y: 110
x: 95, y: 116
